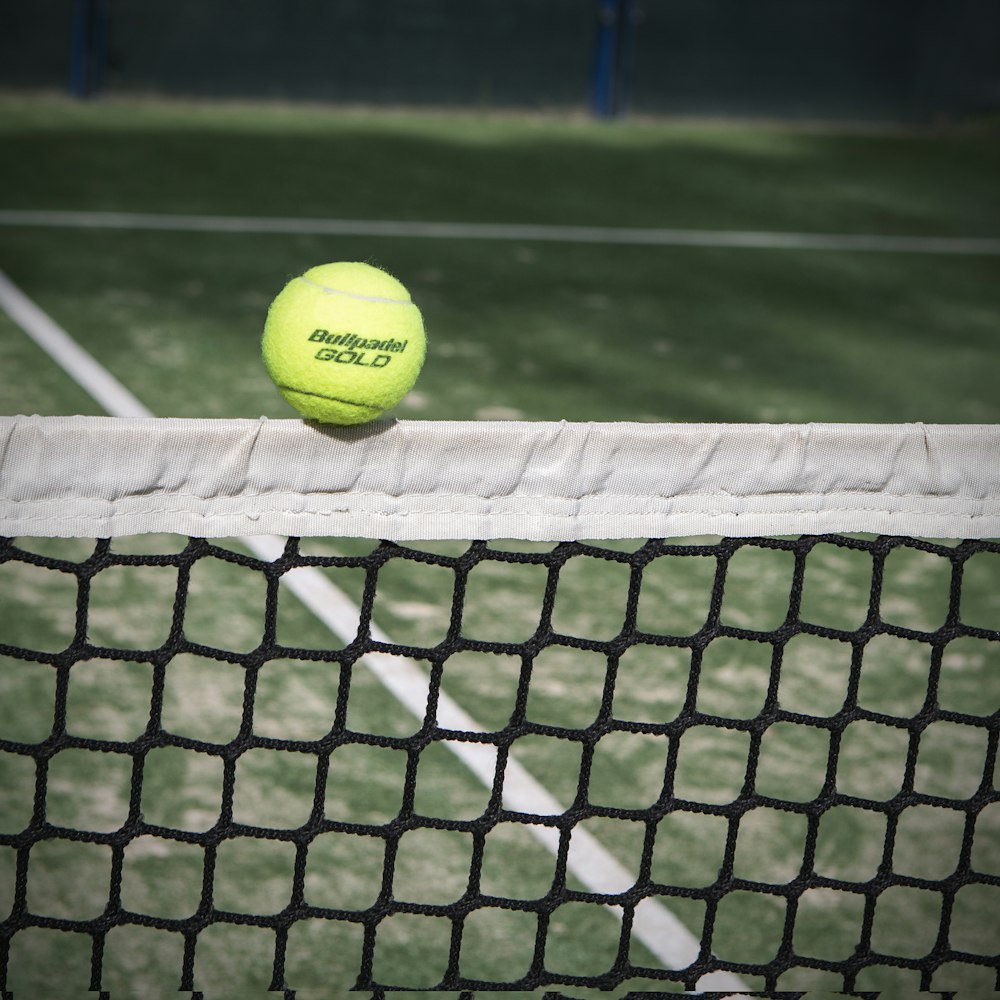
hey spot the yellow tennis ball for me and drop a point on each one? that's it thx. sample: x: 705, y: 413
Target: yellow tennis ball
x: 343, y: 342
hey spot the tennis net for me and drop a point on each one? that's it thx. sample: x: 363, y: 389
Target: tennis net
x: 533, y: 707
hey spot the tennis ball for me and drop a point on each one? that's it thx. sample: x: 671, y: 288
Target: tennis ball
x: 343, y: 342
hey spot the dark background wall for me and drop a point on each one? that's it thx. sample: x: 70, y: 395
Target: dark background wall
x: 869, y: 59
x: 893, y: 60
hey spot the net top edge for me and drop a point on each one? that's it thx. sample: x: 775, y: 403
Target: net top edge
x: 481, y: 479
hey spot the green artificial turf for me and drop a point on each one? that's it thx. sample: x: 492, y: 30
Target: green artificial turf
x: 543, y: 331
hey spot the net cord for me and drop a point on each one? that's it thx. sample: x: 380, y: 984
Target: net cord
x: 420, y: 480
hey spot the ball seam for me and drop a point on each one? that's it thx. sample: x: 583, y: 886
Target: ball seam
x: 330, y: 399
x: 356, y: 295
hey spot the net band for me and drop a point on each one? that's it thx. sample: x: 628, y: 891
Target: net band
x: 400, y: 480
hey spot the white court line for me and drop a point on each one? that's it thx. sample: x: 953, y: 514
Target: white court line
x: 653, y: 924
x: 622, y: 235
x: 68, y: 354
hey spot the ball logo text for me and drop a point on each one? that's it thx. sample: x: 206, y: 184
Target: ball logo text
x: 352, y: 349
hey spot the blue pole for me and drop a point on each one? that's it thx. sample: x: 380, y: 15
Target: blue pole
x: 88, y: 47
x: 605, y: 58
x: 79, y: 55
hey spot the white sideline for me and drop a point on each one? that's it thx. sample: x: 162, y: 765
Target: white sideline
x: 402, y: 228
x: 653, y: 924
x: 67, y: 353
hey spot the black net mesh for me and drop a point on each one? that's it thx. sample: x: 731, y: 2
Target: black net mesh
x: 790, y: 746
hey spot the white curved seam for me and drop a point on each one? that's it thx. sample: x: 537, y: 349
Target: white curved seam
x: 354, y: 295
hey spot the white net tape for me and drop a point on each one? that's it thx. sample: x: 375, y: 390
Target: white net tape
x: 398, y: 480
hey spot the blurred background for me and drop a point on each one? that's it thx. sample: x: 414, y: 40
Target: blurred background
x: 887, y: 60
